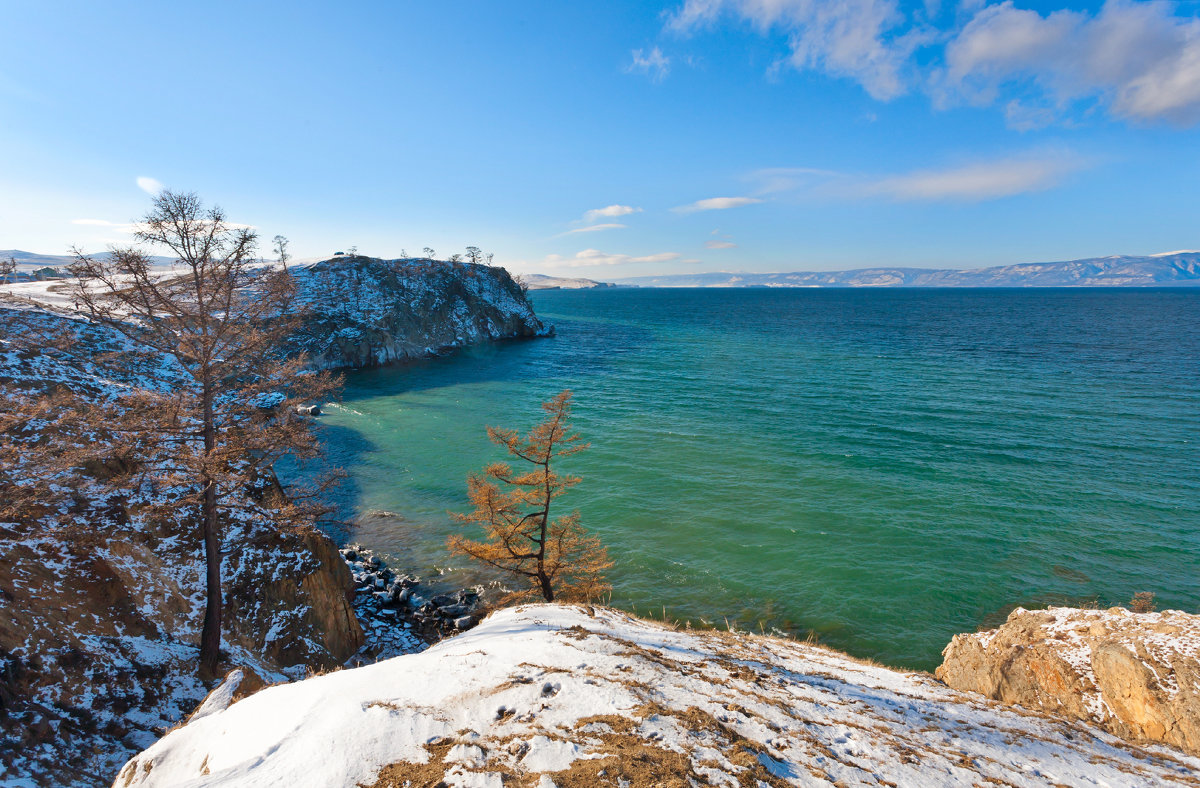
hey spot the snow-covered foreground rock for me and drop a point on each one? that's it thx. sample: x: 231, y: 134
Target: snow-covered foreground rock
x: 1134, y: 674
x: 547, y: 695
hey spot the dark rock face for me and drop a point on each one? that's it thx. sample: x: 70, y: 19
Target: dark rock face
x: 99, y: 634
x: 368, y: 312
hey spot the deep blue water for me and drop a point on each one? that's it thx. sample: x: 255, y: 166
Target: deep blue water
x: 883, y: 467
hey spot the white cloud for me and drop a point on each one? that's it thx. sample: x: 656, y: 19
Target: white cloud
x: 596, y: 257
x: 653, y: 64
x: 591, y: 228
x: 719, y: 244
x: 609, y: 212
x: 716, y: 204
x: 149, y: 185
x: 975, y: 182
x: 1141, y: 58
x: 1138, y: 60
x: 868, y: 41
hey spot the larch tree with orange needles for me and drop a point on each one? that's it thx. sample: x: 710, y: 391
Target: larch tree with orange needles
x: 554, y: 556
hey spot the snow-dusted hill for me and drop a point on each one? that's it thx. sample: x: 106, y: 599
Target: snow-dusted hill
x: 546, y: 695
x: 367, y: 312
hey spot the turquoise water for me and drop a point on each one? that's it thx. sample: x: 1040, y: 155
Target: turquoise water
x: 884, y: 468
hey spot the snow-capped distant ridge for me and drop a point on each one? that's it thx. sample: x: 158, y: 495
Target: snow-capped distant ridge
x: 544, y: 695
x: 547, y: 282
x: 1174, y: 269
x: 1177, y: 251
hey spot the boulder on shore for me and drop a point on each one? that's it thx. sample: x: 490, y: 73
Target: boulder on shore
x: 1136, y: 675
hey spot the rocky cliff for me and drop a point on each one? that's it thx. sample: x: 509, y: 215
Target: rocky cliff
x: 101, y: 601
x: 550, y: 695
x: 1134, y: 674
x: 368, y: 312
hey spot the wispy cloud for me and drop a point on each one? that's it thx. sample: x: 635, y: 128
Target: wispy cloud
x: 149, y: 185
x: 653, y: 63
x: 716, y: 204
x: 975, y: 182
x: 609, y: 212
x: 592, y: 228
x: 596, y: 257
x: 121, y: 227
x: 770, y: 180
x: 865, y: 40
x: 1139, y: 61
x: 719, y: 245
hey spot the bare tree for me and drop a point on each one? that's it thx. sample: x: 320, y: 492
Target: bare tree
x: 223, y: 319
x: 281, y: 250
x: 456, y: 258
x: 428, y: 252
x: 354, y: 251
x: 8, y: 268
x: 490, y: 257
x: 474, y: 255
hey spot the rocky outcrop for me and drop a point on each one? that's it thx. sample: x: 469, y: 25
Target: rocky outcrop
x: 546, y: 695
x: 99, y: 633
x: 1136, y: 675
x: 367, y: 312
x: 101, y: 600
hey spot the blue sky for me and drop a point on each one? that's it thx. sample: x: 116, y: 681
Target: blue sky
x: 615, y: 139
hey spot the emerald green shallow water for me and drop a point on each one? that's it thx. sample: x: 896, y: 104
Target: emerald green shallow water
x: 882, y: 467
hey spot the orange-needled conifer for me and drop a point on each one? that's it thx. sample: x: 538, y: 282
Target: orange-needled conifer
x: 552, y: 556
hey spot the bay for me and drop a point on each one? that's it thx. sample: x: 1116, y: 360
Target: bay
x: 881, y: 468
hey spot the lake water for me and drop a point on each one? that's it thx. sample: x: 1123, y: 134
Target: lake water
x: 884, y: 468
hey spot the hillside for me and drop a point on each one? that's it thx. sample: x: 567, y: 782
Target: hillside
x: 1176, y: 269
x: 578, y: 696
x: 101, y: 603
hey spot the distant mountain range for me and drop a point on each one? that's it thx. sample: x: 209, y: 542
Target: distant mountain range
x: 544, y: 282
x: 31, y: 260
x: 1173, y: 269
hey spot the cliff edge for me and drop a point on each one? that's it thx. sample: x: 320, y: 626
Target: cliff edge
x: 1136, y: 675
x: 367, y: 312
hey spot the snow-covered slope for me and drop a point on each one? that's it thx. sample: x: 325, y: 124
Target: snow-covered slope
x: 547, y: 695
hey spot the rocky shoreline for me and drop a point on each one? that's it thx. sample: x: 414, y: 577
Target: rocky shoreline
x: 401, y: 615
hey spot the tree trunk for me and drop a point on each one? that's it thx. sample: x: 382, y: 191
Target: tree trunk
x: 547, y: 589
x: 210, y: 635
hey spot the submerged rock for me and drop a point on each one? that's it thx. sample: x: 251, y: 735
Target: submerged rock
x: 1136, y: 675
